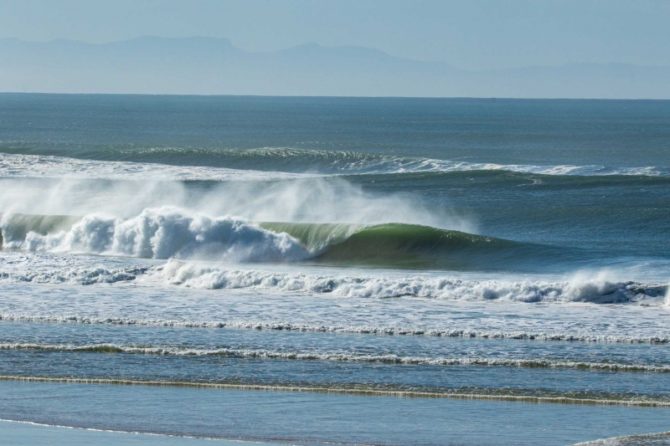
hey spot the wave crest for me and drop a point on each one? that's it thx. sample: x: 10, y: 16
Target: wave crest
x: 275, y: 163
x: 163, y: 233
x: 169, y: 232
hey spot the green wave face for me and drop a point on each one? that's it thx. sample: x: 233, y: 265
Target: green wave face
x: 400, y: 245
x: 314, y: 236
x: 396, y: 244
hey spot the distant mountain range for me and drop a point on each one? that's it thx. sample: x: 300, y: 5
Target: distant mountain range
x: 214, y: 66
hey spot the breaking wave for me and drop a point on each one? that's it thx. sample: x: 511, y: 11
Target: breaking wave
x: 270, y: 163
x: 156, y: 233
x: 195, y: 246
x: 167, y: 232
x: 47, y: 166
x: 343, y: 161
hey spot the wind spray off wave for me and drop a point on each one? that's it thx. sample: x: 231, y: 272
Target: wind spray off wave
x: 162, y: 233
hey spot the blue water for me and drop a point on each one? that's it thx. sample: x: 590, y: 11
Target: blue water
x: 510, y: 252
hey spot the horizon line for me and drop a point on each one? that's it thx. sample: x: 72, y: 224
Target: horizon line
x: 214, y: 95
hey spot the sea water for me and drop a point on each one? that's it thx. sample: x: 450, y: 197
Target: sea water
x: 479, y: 257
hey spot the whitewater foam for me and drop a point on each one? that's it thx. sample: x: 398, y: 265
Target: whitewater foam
x: 351, y: 162
x: 164, y: 233
x: 599, y: 290
x: 44, y: 266
x: 47, y: 166
x: 315, y: 163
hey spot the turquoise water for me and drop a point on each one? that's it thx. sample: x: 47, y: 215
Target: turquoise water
x: 314, y: 270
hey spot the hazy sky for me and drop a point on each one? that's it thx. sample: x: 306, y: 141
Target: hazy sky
x: 465, y: 33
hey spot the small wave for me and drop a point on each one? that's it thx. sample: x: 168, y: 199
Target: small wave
x: 354, y: 329
x: 458, y: 393
x: 337, y: 357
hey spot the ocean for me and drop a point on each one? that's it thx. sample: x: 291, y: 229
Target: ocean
x: 335, y: 270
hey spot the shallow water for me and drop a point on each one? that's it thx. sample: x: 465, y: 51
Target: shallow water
x: 318, y: 418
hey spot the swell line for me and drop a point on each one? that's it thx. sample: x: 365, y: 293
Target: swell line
x: 338, y: 357
x: 480, y: 395
x: 376, y: 331
x: 279, y: 164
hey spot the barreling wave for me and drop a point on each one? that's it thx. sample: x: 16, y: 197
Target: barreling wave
x: 406, y: 245
x: 185, y: 238
x: 239, y: 353
x: 163, y: 233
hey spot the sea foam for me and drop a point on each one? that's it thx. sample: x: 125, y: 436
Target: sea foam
x: 575, y: 289
x: 166, y: 232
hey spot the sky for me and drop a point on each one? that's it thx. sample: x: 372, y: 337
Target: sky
x: 470, y: 34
